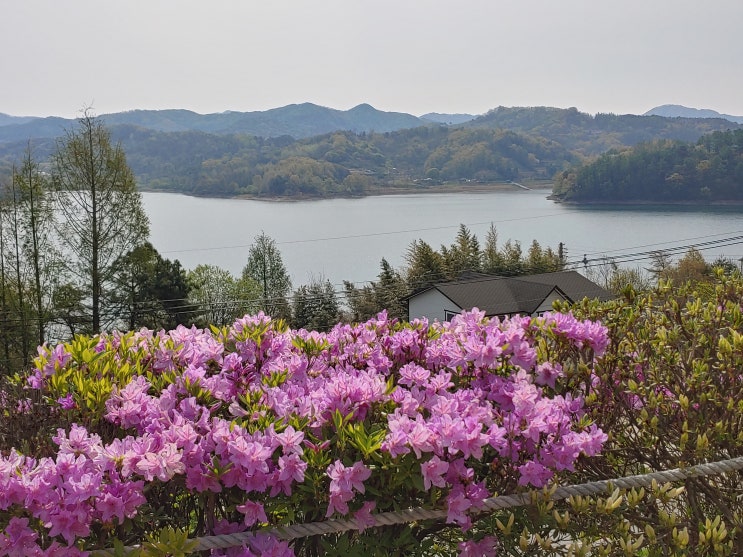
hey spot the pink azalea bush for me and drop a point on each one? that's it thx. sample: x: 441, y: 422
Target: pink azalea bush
x: 257, y: 425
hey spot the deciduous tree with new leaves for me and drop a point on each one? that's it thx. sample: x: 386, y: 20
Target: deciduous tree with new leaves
x: 101, y: 212
x: 218, y: 297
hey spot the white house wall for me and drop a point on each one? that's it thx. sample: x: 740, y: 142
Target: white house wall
x: 547, y: 304
x: 431, y: 304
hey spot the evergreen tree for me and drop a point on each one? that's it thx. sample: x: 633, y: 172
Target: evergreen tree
x: 384, y: 294
x: 361, y: 301
x: 315, y: 307
x: 463, y: 255
x: 513, y: 260
x: 389, y: 291
x: 149, y: 291
x: 69, y: 310
x: 425, y: 266
x: 492, y: 259
x: 266, y: 268
x: 542, y: 260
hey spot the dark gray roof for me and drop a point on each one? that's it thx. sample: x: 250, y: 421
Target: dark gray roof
x: 574, y: 285
x: 523, y: 294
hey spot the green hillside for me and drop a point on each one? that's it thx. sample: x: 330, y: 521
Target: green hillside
x: 665, y: 171
x: 592, y: 135
x: 340, y: 163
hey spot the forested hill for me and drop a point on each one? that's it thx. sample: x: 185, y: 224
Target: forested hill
x: 308, y: 150
x: 340, y: 163
x: 592, y: 135
x: 664, y: 171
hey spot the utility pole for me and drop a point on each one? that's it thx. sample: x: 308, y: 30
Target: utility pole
x: 562, y: 254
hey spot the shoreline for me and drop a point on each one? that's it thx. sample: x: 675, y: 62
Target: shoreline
x: 447, y: 188
x: 465, y: 188
x: 649, y: 203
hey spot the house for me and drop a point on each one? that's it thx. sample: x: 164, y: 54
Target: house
x: 502, y: 296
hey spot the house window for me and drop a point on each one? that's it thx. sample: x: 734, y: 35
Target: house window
x: 449, y: 315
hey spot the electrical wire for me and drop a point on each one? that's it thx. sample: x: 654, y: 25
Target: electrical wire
x: 193, y: 307
x: 370, y: 234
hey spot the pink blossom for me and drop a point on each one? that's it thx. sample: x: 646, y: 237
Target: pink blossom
x: 433, y: 471
x: 68, y: 521
x: 413, y: 374
x: 252, y: 456
x: 343, y: 481
x: 486, y: 547
x: 533, y: 473
x: 267, y: 546
x: 291, y: 440
x: 18, y: 540
x: 457, y: 506
x: 363, y: 516
x: 291, y: 468
x: 163, y: 464
x: 67, y: 402
x: 547, y: 373
x: 253, y: 512
x: 448, y: 395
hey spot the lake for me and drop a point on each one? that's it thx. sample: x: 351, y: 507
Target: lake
x: 345, y: 239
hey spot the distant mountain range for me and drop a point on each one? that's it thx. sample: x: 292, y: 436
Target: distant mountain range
x: 306, y: 149
x: 296, y: 120
x: 678, y: 111
x: 308, y: 120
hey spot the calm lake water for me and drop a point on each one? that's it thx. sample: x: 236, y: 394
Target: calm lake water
x: 345, y: 239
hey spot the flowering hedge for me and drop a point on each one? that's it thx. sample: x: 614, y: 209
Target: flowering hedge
x: 671, y: 396
x: 223, y: 430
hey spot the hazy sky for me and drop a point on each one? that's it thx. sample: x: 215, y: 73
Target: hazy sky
x: 411, y: 56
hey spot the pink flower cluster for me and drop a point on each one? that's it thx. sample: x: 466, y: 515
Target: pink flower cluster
x: 503, y: 408
x: 344, y: 480
x: 447, y: 395
x: 82, y: 485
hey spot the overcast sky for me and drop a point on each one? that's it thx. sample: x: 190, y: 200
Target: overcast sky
x: 410, y: 56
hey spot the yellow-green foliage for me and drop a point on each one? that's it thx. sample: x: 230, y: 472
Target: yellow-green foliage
x: 670, y: 395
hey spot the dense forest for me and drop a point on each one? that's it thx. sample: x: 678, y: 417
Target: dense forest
x: 590, y: 135
x: 334, y: 164
x: 665, y: 171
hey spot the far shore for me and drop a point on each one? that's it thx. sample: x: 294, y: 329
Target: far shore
x: 544, y: 186
x: 393, y: 189
x: 414, y: 189
x: 648, y: 203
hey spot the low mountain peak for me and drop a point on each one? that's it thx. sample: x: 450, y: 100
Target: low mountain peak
x: 680, y: 111
x: 363, y: 107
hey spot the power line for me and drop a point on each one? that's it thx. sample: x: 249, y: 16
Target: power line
x: 604, y: 252
x: 185, y: 306
x: 370, y: 234
x: 650, y: 254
